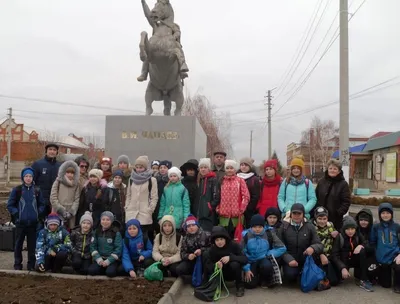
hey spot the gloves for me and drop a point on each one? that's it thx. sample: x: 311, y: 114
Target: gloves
x: 99, y: 261
x: 41, y: 268
x: 67, y: 215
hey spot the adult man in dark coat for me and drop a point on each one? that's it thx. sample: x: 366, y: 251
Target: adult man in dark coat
x: 46, y: 171
x: 219, y: 165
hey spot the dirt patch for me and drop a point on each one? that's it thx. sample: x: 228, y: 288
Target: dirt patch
x: 48, y: 290
x: 4, y: 215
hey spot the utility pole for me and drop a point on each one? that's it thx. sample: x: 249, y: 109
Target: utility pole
x: 344, y: 89
x: 269, y: 104
x: 251, y: 143
x: 9, y: 140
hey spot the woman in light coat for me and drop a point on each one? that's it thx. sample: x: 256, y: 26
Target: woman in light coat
x: 65, y: 192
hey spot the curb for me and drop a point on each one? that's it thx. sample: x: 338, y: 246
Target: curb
x: 169, y: 297
x: 73, y: 276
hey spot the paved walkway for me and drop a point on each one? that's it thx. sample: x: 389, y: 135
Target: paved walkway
x: 347, y: 293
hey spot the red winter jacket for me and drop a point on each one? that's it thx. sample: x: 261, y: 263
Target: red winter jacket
x: 269, y: 194
x: 234, y: 197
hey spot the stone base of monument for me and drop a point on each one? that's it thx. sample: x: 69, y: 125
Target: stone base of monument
x: 174, y: 138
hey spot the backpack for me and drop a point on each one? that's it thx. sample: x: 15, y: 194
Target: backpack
x: 306, y: 182
x: 269, y: 237
x: 178, y: 238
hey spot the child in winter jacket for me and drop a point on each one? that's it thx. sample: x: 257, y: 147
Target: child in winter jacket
x: 248, y: 174
x: 155, y: 166
x: 64, y: 196
x: 26, y: 206
x: 194, y: 244
x: 53, y: 246
x: 116, y: 198
x: 348, y: 252
x: 167, y: 246
x: 81, y: 238
x: 137, y: 249
x: 106, y: 247
x: 327, y: 234
x: 296, y: 188
x: 273, y: 219
x: 93, y: 197
x: 162, y: 180
x: 106, y: 166
x: 234, y: 197
x: 189, y: 173
x: 142, y: 195
x: 365, y: 222
x: 175, y: 198
x: 269, y: 187
x: 207, y: 198
x: 301, y: 239
x: 257, y: 245
x: 123, y: 164
x: 228, y: 255
x: 385, y: 238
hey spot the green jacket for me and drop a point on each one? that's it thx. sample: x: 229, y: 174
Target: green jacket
x: 175, y: 201
x: 106, y: 245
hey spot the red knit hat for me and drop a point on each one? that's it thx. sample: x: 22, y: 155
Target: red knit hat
x: 271, y: 163
x: 191, y: 220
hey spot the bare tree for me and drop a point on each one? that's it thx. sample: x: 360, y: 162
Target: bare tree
x: 217, y: 126
x: 320, y: 140
x: 38, y: 148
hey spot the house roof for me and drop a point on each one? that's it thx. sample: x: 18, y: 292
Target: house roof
x: 379, y: 134
x: 70, y: 142
x: 386, y: 141
x: 355, y: 149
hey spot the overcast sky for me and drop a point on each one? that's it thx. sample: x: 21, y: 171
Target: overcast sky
x: 87, y: 52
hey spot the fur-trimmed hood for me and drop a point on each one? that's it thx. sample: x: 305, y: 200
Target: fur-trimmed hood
x: 63, y: 170
x: 127, y: 172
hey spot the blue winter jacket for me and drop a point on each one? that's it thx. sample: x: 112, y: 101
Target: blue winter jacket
x: 290, y: 194
x: 48, y: 241
x: 385, y: 238
x: 131, y: 253
x: 256, y: 247
x: 46, y: 171
x: 29, y: 208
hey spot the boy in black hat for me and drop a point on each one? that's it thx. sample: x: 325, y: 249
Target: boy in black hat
x: 189, y: 173
x: 273, y: 218
x: 349, y: 252
x: 228, y: 255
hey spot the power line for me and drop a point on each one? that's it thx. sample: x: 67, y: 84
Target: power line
x: 315, y: 66
x: 299, y: 47
x: 67, y: 103
x: 308, y: 45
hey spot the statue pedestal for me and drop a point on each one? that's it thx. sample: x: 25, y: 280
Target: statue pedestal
x: 174, y: 138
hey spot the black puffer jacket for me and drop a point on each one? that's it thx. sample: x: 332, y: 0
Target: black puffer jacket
x: 334, y: 195
x: 297, y: 241
x: 190, y: 183
x: 365, y: 232
x: 93, y: 199
x: 253, y: 185
x: 81, y: 243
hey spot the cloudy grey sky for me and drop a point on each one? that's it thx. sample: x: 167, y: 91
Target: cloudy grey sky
x: 87, y: 52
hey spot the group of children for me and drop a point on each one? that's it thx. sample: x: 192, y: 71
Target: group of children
x: 117, y: 218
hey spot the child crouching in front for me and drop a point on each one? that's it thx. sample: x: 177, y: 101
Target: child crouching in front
x: 167, y: 246
x: 194, y: 244
x: 136, y: 252
x: 348, y: 252
x: 81, y: 238
x: 106, y: 247
x: 228, y: 255
x: 52, y: 246
x: 327, y: 234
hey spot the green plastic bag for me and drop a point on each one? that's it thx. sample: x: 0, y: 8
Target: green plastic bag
x: 153, y: 272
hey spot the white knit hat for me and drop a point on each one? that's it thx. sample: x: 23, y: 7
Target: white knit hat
x: 96, y: 172
x: 231, y: 163
x: 175, y: 170
x: 205, y: 162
